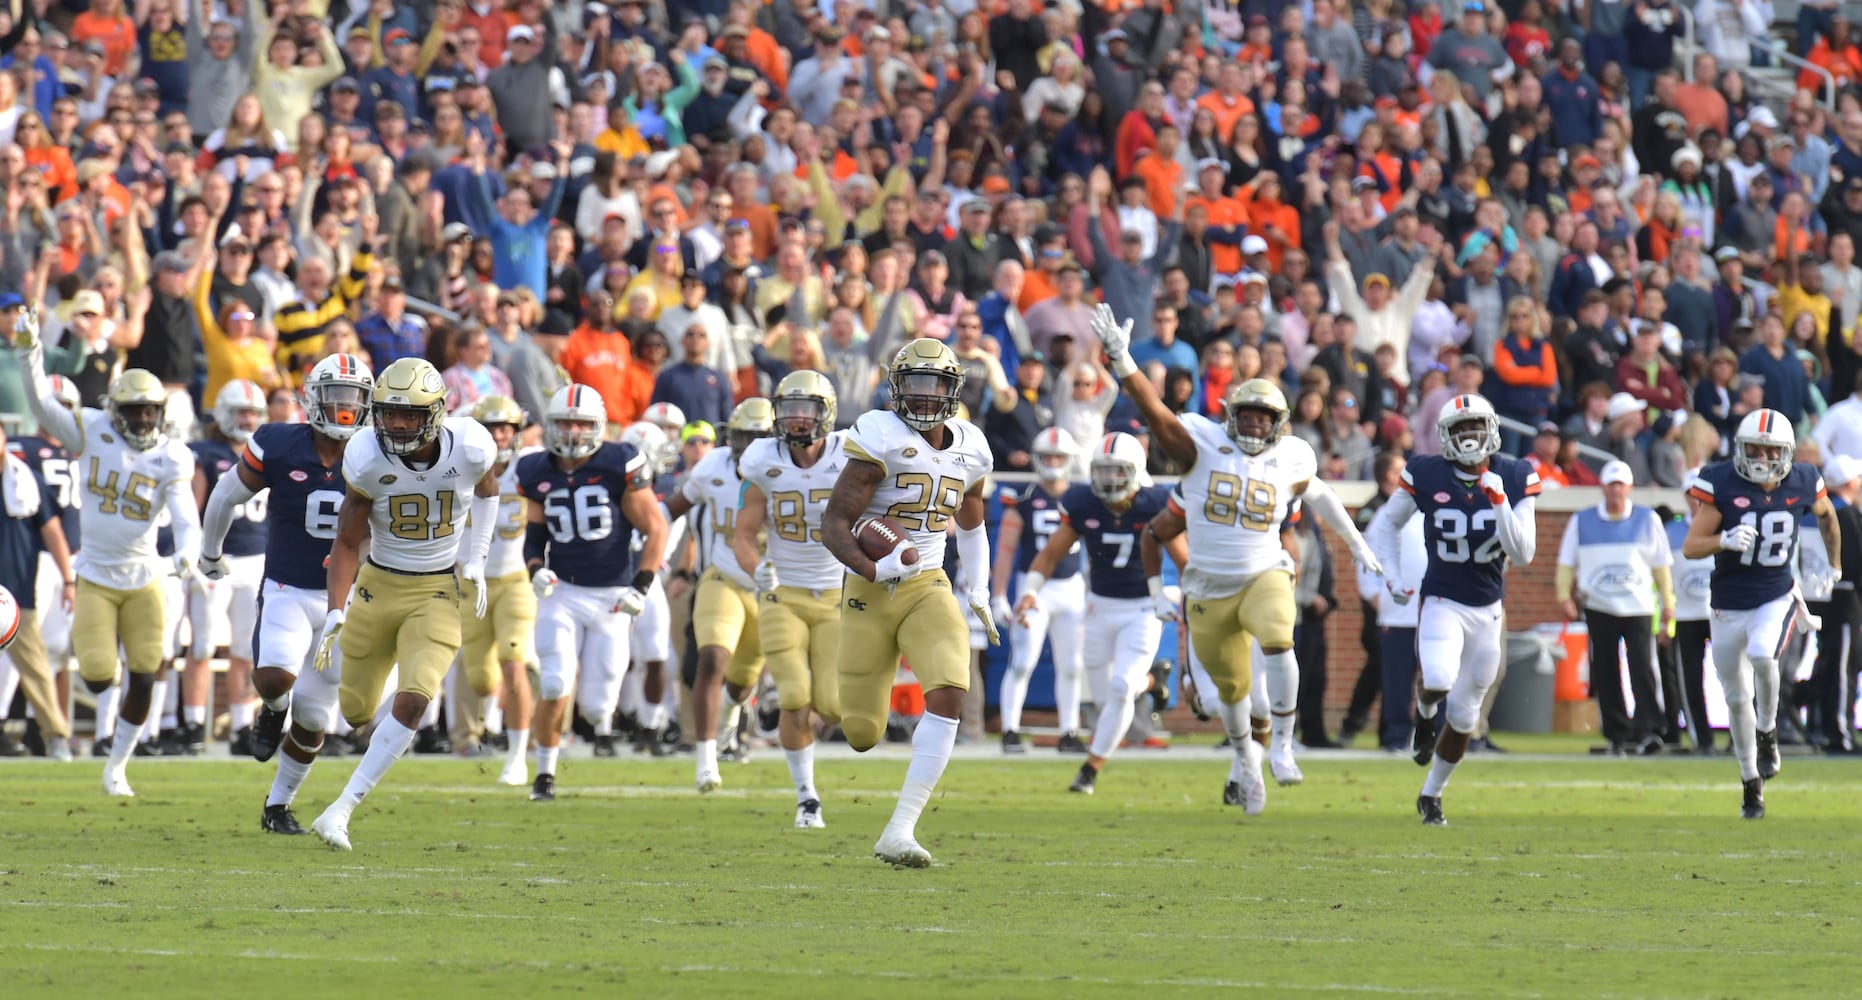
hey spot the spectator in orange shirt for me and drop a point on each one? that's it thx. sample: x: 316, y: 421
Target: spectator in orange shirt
x: 108, y: 25
x: 1139, y: 129
x: 1226, y: 216
x: 1042, y: 281
x: 1229, y: 100
x: 1544, y: 457
x: 1270, y: 219
x: 1161, y: 173
x: 599, y: 356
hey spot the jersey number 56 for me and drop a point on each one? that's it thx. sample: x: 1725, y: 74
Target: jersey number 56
x: 587, y: 514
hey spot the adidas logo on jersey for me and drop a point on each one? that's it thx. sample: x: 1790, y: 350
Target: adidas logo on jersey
x: 450, y: 474
x: 389, y: 478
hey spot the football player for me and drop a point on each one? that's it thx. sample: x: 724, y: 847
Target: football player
x: 921, y: 466
x: 1478, y: 510
x: 239, y: 410
x: 787, y: 482
x: 591, y: 585
x: 1243, y: 476
x: 642, y: 694
x: 730, y: 658
x: 413, y: 476
x: 56, y: 587
x: 1124, y: 616
x: 301, y: 465
x: 1030, y: 519
x: 131, y: 471
x: 1748, y: 523
x: 497, y: 646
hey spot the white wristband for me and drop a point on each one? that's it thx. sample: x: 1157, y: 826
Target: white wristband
x: 1124, y: 367
x: 1032, y: 582
x: 1155, y: 584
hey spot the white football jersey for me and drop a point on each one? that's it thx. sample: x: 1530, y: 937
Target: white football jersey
x: 794, y: 499
x: 126, y: 492
x: 507, y: 542
x: 1234, y: 505
x: 713, y: 485
x: 417, y: 516
x: 924, y: 486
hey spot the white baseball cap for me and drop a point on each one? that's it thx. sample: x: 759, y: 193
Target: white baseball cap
x: 1617, y: 472
x: 1623, y: 404
x: 1841, y: 469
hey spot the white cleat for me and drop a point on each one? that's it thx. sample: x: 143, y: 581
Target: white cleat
x: 333, y: 829
x: 808, y: 816
x: 709, y: 781
x: 1286, y: 769
x: 901, y: 850
x: 59, y: 749
x: 515, y: 773
x: 1253, y: 787
x: 116, y: 784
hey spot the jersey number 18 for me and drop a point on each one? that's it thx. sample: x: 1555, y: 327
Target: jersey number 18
x: 1773, y: 547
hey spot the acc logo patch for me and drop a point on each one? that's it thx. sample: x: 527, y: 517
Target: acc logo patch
x: 1226, y: 450
x: 907, y: 453
x: 299, y: 475
x: 717, y: 482
x: 107, y: 439
x: 1741, y: 502
x: 1441, y: 498
x: 773, y: 473
x: 543, y: 487
x: 1092, y: 522
x: 389, y: 478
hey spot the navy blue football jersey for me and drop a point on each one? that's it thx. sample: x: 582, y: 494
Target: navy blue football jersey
x: 1040, y: 514
x: 58, y: 471
x: 1466, y: 562
x: 306, y: 497
x: 1762, y: 573
x: 246, y: 535
x: 1111, y: 539
x: 591, y: 541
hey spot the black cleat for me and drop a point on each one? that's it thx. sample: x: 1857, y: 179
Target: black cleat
x: 152, y: 748
x: 1083, y: 782
x: 101, y: 747
x: 499, y: 741
x: 1231, y: 794
x: 1422, y: 741
x: 1160, y: 687
x: 604, y: 745
x: 543, y: 789
x: 1429, y: 807
x: 241, y: 743
x: 190, y: 740
x: 278, y: 819
x: 656, y: 745
x: 267, y: 734
x: 337, y: 746
x: 1753, y: 806
x: 1769, y: 759
x: 34, y: 739
x: 1070, y: 742
x: 432, y: 741
x: 11, y: 748
x: 1012, y: 742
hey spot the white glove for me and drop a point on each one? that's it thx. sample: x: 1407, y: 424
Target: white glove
x: 999, y: 607
x: 631, y: 602
x: 891, y: 570
x: 543, y: 581
x: 767, y: 579
x: 1494, y: 487
x: 1115, y: 338
x: 1366, y: 559
x: 979, y: 603
x: 326, y: 646
x: 1166, y: 610
x: 1738, y: 538
x: 26, y: 330
x: 475, y: 575
x: 1399, y: 594
x: 212, y: 567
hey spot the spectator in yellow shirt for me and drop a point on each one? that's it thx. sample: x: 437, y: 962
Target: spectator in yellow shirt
x: 286, y: 89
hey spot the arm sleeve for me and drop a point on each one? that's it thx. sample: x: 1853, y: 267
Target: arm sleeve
x: 185, y: 516
x: 1325, y: 503
x: 228, y: 493
x: 973, y: 552
x: 479, y: 531
x: 1384, y: 535
x: 1518, y: 529
x: 51, y: 414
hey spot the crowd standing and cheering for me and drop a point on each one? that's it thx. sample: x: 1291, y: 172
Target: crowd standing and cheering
x: 1376, y: 210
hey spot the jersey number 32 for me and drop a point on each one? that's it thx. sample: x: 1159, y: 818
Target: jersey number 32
x: 1452, y: 528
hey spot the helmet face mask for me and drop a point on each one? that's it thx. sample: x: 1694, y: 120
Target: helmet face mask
x: 753, y: 419
x: 1257, y: 415
x: 239, y: 422
x: 926, y: 383
x: 1468, y: 430
x: 802, y: 419
x: 404, y: 430
x: 139, y: 423
x: 1114, y: 480
x: 573, y: 421
x: 336, y: 396
x: 409, y: 406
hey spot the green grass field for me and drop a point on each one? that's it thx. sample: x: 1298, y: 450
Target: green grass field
x: 1558, y: 877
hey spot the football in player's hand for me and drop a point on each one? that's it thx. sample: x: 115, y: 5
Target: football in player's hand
x: 879, y: 536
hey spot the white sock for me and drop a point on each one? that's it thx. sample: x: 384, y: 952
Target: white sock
x: 1765, y: 692
x: 1067, y: 699
x: 1438, y: 776
x: 125, y: 743
x: 1282, y: 674
x: 158, y: 697
x: 1014, y: 695
x: 430, y: 717
x: 9, y: 681
x: 390, y: 741
x: 520, y: 744
x: 241, y: 714
x: 605, y: 727
x: 194, y: 715
x: 728, y: 717
x: 493, y: 716
x: 1739, y: 726
x: 706, y: 752
x: 1280, y: 728
x: 291, y: 775
x: 279, y: 703
x: 170, y: 700
x: 1235, y: 721
x: 1426, y: 709
x: 802, y: 772
x: 931, y: 746
x: 1114, y: 719
x: 653, y: 717
x: 546, y: 758
x: 108, y: 701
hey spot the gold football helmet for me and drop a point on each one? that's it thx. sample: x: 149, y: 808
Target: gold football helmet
x: 753, y: 418
x: 137, y: 402
x: 1260, y: 396
x: 500, y: 410
x: 805, y: 405
x: 409, y: 406
x: 926, y: 383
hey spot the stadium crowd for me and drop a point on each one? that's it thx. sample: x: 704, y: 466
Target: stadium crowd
x: 1376, y: 205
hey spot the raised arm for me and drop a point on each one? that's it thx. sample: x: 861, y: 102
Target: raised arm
x: 65, y: 425
x: 1166, y: 429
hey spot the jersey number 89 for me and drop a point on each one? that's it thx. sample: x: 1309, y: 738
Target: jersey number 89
x: 1232, y: 500
x: 1773, y: 547
x: 587, y: 514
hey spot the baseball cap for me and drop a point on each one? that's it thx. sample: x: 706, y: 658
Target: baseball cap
x: 346, y: 85
x: 543, y: 171
x: 167, y: 260
x: 392, y: 283
x: 698, y: 429
x: 1210, y: 162
x: 1854, y: 183
x: 1726, y: 253
x: 976, y: 204
x: 1616, y: 472
x: 520, y: 31
x: 1548, y: 427
x: 89, y: 301
x: 1253, y: 245
x: 397, y: 36
x: 1838, y: 470
x: 1363, y: 184
x: 11, y: 300
x: 1377, y: 278
x: 1115, y: 35
x: 1623, y: 404
x: 455, y: 231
